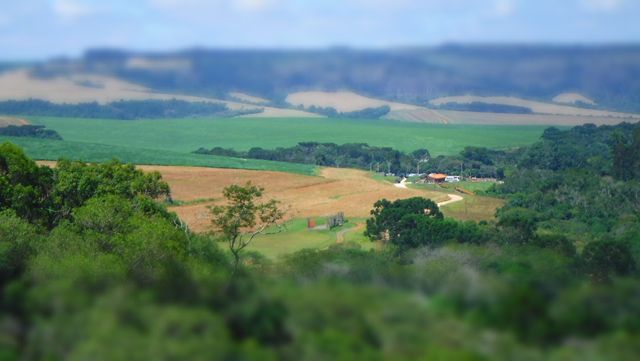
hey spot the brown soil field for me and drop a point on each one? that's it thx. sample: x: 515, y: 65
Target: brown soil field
x: 346, y: 101
x: 5, y: 121
x: 335, y: 190
x: 81, y: 88
x: 572, y: 98
x: 458, y: 117
x: 421, y: 115
x: 342, y: 101
x: 535, y: 106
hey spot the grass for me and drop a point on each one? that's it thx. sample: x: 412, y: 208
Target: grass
x: 383, y: 178
x: 187, y: 135
x: 297, y: 237
x: 471, y: 208
x: 45, y: 149
x: 476, y: 187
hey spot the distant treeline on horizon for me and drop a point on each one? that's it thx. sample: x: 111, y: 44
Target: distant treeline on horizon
x: 122, y: 109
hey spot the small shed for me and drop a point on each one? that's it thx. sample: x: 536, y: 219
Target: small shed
x: 436, y: 177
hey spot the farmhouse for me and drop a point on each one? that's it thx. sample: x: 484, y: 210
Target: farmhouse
x: 436, y: 177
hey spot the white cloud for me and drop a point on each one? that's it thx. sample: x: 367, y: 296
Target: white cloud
x: 503, y: 8
x: 253, y: 5
x: 71, y: 9
x: 211, y: 5
x: 602, y: 5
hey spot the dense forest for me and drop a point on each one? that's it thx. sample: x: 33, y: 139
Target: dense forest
x: 123, y: 109
x: 356, y: 155
x: 471, y: 162
x: 31, y: 131
x: 606, y: 74
x: 93, y: 266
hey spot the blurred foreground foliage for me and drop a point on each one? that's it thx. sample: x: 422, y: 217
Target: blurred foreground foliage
x: 93, y: 268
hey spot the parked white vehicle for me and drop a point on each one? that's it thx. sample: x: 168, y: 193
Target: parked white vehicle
x: 452, y: 179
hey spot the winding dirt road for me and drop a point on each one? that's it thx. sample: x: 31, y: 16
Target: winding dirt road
x: 452, y: 199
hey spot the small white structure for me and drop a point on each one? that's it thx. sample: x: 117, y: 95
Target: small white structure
x: 452, y: 179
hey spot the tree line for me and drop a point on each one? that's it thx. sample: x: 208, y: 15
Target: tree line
x: 367, y: 113
x: 122, y: 109
x: 486, y: 108
x: 31, y: 131
x: 351, y: 155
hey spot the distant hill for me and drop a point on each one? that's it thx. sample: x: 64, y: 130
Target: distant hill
x: 607, y: 75
x: 534, y: 106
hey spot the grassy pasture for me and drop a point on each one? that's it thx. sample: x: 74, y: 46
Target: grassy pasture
x: 296, y: 237
x: 187, y: 135
x: 45, y: 149
x: 471, y: 208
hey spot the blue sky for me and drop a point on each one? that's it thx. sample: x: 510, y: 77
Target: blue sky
x: 37, y: 29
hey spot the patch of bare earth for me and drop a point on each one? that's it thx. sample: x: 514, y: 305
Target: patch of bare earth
x: 6, y: 121
x: 459, y: 117
x: 335, y: 190
x: 572, y: 98
x: 345, y: 101
x: 535, y: 106
x: 83, y: 88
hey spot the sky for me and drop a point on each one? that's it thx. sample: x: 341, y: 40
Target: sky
x: 40, y: 29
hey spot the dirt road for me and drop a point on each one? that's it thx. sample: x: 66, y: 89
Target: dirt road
x: 452, y: 199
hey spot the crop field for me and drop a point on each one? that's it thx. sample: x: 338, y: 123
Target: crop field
x: 480, y: 118
x: 46, y: 149
x: 335, y: 190
x: 187, y: 135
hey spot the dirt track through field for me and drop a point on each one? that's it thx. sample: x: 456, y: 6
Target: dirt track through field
x: 336, y: 190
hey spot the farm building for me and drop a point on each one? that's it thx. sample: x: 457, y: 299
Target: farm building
x: 436, y: 177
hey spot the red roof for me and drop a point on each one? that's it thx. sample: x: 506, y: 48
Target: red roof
x: 437, y: 176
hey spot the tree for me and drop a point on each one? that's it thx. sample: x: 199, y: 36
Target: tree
x: 24, y: 186
x: 392, y: 221
x: 242, y: 219
x: 517, y: 225
x: 607, y: 258
x: 626, y: 157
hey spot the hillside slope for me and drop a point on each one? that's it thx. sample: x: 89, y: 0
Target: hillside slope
x: 83, y: 88
x: 535, y: 106
x: 605, y: 74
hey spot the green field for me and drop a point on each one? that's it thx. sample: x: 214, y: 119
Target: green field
x: 296, y: 237
x: 187, y: 135
x: 44, y: 149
